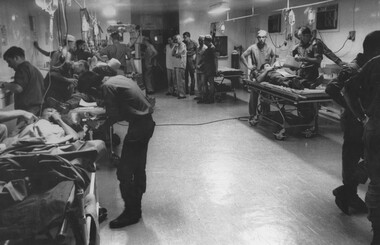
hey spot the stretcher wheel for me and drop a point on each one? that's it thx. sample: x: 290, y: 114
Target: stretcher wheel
x: 280, y: 135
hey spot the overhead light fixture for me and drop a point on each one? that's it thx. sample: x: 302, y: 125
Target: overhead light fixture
x: 219, y: 8
x: 109, y: 11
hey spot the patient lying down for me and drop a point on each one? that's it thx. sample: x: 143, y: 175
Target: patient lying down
x: 283, y: 77
x: 49, y: 129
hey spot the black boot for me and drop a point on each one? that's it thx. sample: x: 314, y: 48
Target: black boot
x: 341, y: 199
x: 126, y: 218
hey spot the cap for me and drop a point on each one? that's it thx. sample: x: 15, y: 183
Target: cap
x: 70, y: 38
x: 262, y: 33
x: 208, y: 37
x: 114, y: 64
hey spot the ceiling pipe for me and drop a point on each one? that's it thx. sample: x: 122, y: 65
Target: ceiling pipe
x: 304, y: 5
x: 241, y: 17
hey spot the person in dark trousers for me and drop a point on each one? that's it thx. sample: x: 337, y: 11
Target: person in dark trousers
x: 125, y: 101
x: 191, y: 47
x: 352, y: 150
x: 209, y: 67
x: 362, y: 93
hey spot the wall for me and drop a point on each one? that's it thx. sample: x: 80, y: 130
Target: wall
x: 14, y: 15
x: 363, y: 19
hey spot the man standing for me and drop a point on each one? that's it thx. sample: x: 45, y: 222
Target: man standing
x: 200, y: 75
x: 179, y: 64
x: 346, y: 196
x: 259, y: 53
x: 209, y: 69
x: 119, y: 51
x: 169, y: 67
x: 28, y: 85
x: 125, y: 101
x: 191, y: 48
x: 363, y: 98
x: 149, y: 54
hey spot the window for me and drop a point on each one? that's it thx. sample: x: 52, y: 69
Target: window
x: 327, y: 17
x: 274, y: 23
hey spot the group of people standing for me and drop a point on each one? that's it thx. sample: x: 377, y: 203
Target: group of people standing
x: 184, y: 59
x: 357, y: 90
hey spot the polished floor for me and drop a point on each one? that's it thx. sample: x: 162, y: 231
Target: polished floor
x: 229, y: 183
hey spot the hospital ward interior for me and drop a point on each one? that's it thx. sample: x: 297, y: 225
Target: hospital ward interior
x: 170, y: 122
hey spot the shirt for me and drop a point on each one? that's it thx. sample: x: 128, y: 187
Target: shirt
x: 210, y: 61
x: 169, y: 56
x: 191, y: 48
x: 200, y: 56
x: 179, y: 49
x: 32, y: 83
x: 124, y: 100
x: 117, y: 51
x: 309, y: 70
x: 365, y: 86
x: 259, y: 56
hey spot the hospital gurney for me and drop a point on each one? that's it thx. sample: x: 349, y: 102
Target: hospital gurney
x: 61, y: 205
x: 221, y: 86
x: 289, y: 104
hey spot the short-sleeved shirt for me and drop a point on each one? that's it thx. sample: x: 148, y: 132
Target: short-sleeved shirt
x: 179, y: 49
x: 210, y: 61
x: 191, y: 48
x: 309, y: 70
x: 169, y: 56
x: 149, y: 54
x: 32, y: 83
x: 259, y: 56
x: 118, y: 51
x: 200, y: 56
x: 124, y: 99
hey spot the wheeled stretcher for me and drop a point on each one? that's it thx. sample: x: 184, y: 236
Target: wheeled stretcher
x: 61, y: 205
x: 222, y: 86
x: 290, y: 107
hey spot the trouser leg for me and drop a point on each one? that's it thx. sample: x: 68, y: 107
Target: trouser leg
x: 148, y: 79
x: 187, y: 79
x: 200, y: 85
x: 192, y: 77
x: 180, y: 78
x: 252, y: 104
x: 352, y: 151
x: 170, y: 76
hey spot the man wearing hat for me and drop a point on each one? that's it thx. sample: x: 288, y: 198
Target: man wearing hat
x: 259, y: 53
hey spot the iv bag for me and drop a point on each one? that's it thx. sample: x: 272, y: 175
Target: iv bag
x: 292, y: 18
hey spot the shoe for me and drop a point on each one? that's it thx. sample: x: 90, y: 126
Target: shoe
x: 168, y: 93
x: 181, y: 97
x: 341, y: 199
x: 124, y: 220
x: 197, y: 98
x: 61, y: 107
x: 358, y: 204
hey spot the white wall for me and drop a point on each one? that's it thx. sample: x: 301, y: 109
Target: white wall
x: 364, y: 19
x: 14, y: 15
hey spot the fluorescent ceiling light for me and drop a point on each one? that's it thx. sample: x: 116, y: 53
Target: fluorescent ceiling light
x: 109, y: 11
x: 219, y: 8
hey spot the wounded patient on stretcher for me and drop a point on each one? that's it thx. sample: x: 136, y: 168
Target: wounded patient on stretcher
x: 283, y: 77
x: 49, y: 129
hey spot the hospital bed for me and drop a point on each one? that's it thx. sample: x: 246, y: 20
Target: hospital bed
x: 286, y: 104
x: 222, y: 86
x: 61, y: 206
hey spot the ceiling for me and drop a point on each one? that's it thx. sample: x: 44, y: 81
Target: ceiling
x: 193, y: 5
